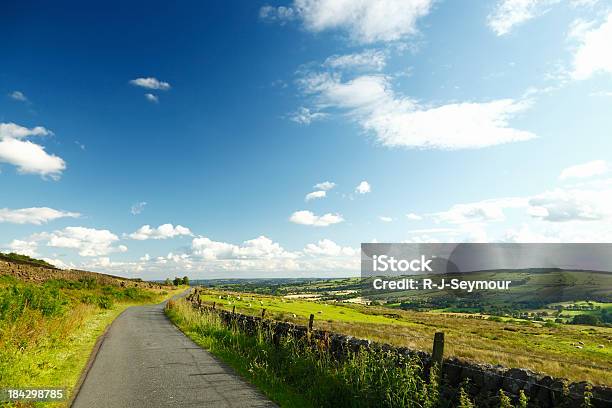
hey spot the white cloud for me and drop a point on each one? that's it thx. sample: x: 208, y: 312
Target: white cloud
x: 402, y: 122
x: 58, y: 263
x: 305, y: 217
x: 326, y: 247
x: 87, y: 241
x: 305, y: 116
x: 315, y: 194
x: 138, y: 208
x: 365, y: 21
x: 28, y: 248
x: 363, y: 188
x: 34, y: 215
x: 586, y: 170
x: 366, y: 60
x: 593, y: 52
x: 562, y: 205
x: 28, y: 157
x: 326, y: 185
x: 261, y: 247
x: 482, y: 211
x: 164, y: 231
x: 18, y: 96
x: 414, y: 217
x: 150, y: 83
x: 510, y: 13
x: 385, y: 219
x: 151, y: 98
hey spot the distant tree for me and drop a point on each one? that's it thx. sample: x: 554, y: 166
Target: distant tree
x: 185, y: 280
x: 590, y: 320
x: 177, y: 281
x: 168, y: 282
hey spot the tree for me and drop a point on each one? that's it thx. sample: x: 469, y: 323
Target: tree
x: 177, y: 281
x: 185, y: 280
x: 168, y: 282
x: 590, y: 320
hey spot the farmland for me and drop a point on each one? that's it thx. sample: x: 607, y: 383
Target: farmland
x: 512, y: 330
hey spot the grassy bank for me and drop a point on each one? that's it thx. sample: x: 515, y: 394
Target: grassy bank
x: 296, y: 375
x: 579, y: 353
x: 48, y: 330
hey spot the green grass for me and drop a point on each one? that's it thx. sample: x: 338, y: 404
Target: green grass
x: 298, y: 374
x: 47, y: 331
x: 552, y: 350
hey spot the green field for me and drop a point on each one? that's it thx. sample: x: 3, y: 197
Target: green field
x: 575, y: 352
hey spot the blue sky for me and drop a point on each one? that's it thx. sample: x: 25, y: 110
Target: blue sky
x: 430, y: 121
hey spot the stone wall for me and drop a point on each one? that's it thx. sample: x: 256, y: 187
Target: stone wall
x: 33, y: 273
x: 485, y: 380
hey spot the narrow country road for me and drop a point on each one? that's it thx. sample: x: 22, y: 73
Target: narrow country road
x: 145, y: 361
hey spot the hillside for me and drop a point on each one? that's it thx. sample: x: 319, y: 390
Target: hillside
x: 33, y: 270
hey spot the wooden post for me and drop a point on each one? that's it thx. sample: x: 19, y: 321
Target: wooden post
x: 214, y: 305
x: 438, y: 349
x: 310, y: 322
x: 263, y: 313
x: 234, y: 309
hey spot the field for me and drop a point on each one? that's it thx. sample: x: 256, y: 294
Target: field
x: 576, y: 352
x: 48, y: 328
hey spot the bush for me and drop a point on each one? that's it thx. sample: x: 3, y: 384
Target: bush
x: 586, y: 319
x: 15, y: 300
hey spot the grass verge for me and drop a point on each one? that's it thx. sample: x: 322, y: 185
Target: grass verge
x: 297, y: 374
x: 48, y: 331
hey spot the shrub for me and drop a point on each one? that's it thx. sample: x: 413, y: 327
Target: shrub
x: 15, y: 300
x: 586, y: 319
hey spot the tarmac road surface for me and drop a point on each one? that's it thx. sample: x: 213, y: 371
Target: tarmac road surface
x: 145, y: 361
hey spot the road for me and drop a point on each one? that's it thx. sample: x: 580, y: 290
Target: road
x: 145, y: 361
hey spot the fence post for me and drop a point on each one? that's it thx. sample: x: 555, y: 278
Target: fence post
x: 263, y: 313
x: 214, y: 305
x: 438, y: 349
x: 234, y: 309
x: 310, y: 322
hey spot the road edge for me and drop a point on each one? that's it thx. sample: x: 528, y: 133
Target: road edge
x: 90, y: 360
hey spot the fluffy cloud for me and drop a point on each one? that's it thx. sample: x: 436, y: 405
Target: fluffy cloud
x: 510, y: 13
x: 150, y: 83
x: 402, y: 122
x: 28, y: 157
x: 385, y: 219
x: 592, y: 54
x: 315, y: 194
x: 326, y: 247
x: 482, y: 211
x: 365, y: 21
x: 561, y: 205
x: 326, y: 185
x: 305, y: 217
x: 87, y: 241
x: 151, y: 98
x: 259, y: 248
x: 306, y: 116
x: 366, y: 60
x: 18, y: 96
x: 363, y: 188
x: 23, y: 247
x: 164, y: 231
x: 590, y: 169
x: 34, y: 215
x: 138, y: 208
x: 414, y: 217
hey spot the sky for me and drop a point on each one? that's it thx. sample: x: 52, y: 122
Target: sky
x: 235, y: 139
